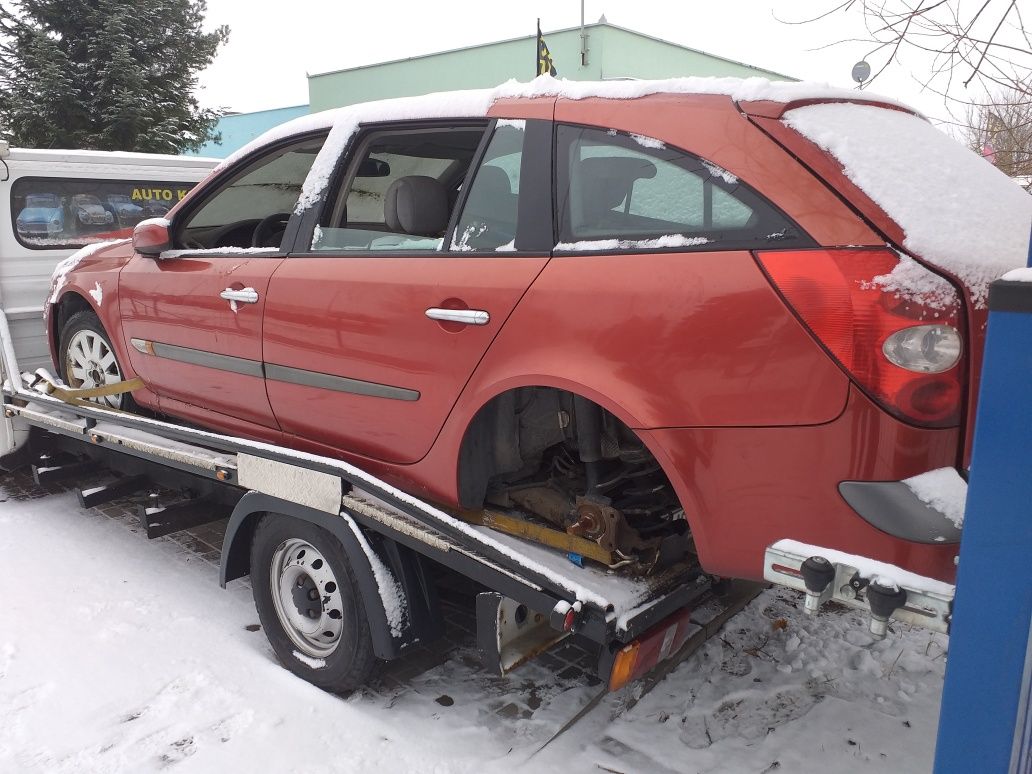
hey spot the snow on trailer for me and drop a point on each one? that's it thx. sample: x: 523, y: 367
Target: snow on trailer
x: 537, y: 596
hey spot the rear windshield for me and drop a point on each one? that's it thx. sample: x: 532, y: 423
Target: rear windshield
x: 51, y: 213
x: 957, y: 211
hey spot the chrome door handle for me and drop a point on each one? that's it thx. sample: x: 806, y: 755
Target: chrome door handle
x: 463, y: 316
x: 244, y: 296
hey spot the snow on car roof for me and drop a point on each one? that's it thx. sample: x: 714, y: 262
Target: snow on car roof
x: 957, y: 211
x: 343, y: 122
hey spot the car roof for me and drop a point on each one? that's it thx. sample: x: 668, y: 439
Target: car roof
x: 476, y: 103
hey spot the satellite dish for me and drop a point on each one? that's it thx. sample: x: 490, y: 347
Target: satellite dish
x: 861, y: 71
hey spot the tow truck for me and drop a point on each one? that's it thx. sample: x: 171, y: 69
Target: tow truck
x: 536, y: 596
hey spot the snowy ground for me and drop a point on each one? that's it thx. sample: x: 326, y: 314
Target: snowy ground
x: 123, y: 655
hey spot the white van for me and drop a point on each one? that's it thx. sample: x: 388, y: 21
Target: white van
x: 56, y: 201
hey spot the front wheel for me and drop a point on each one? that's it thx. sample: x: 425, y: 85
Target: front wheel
x: 309, y: 603
x: 89, y: 360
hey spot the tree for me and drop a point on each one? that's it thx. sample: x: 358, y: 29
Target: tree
x: 105, y: 74
x: 1001, y: 128
x: 984, y: 42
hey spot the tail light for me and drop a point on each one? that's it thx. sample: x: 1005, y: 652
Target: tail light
x: 892, y: 324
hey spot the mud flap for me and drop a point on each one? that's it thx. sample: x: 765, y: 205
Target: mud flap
x: 509, y: 634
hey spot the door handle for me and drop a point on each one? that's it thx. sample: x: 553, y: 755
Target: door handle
x: 463, y: 316
x: 243, y: 296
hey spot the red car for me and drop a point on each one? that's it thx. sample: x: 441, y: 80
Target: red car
x: 665, y: 316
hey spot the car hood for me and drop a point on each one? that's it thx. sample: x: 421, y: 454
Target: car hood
x: 90, y: 209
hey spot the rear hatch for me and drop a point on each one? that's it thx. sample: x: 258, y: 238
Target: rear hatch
x: 927, y: 195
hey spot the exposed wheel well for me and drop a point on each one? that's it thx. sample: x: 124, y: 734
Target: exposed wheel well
x: 565, y: 459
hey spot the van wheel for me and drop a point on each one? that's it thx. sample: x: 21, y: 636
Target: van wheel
x: 309, y: 604
x: 87, y: 359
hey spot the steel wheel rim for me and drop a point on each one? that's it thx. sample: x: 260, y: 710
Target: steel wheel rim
x: 90, y: 362
x: 297, y: 572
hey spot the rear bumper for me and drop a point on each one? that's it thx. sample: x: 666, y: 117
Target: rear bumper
x: 892, y: 507
x: 744, y: 489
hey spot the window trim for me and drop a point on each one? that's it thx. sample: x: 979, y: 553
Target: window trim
x: 67, y: 179
x: 561, y: 156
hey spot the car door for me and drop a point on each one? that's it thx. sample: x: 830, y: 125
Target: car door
x: 193, y: 317
x: 372, y: 331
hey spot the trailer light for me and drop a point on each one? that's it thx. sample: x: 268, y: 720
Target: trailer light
x: 624, y: 666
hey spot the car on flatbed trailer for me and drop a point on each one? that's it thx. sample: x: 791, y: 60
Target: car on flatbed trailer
x: 655, y: 315
x: 662, y: 317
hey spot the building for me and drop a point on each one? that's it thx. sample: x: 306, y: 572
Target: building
x: 605, y: 52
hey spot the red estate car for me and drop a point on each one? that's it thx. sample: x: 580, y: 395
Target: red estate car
x: 645, y: 313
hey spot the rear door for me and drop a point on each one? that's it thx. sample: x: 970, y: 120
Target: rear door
x: 193, y: 318
x: 373, y: 329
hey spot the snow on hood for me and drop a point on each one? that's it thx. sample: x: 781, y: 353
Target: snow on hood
x: 343, y: 122
x: 957, y: 211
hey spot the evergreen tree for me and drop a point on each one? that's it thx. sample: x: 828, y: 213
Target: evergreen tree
x: 105, y: 74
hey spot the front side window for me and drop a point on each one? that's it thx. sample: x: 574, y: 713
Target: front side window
x: 400, y: 190
x: 643, y: 194
x: 253, y: 207
x: 51, y: 213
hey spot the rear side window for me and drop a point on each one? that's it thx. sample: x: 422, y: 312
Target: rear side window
x: 51, y: 213
x: 645, y: 195
x: 488, y: 220
x: 400, y: 190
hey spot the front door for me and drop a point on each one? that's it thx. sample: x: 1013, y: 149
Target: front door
x: 372, y: 332
x: 193, y: 317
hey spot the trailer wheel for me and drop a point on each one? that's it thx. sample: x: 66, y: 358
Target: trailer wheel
x: 87, y: 358
x: 309, y: 603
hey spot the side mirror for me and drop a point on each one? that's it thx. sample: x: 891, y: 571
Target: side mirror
x: 151, y: 237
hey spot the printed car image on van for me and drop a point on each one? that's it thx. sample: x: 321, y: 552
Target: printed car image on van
x: 659, y: 316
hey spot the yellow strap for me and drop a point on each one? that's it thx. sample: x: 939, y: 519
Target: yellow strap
x: 80, y: 394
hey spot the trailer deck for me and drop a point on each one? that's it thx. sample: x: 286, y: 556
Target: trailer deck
x: 237, y: 477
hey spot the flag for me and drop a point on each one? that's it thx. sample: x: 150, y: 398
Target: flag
x: 544, y: 56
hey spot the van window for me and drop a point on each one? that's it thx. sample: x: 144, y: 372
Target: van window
x: 634, y: 189
x: 400, y: 190
x: 58, y: 213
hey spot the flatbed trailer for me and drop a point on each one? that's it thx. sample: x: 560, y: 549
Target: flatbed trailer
x: 536, y: 596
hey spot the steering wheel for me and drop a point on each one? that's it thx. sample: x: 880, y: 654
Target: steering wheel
x: 268, y: 227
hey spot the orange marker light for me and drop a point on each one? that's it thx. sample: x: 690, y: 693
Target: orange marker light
x: 623, y: 666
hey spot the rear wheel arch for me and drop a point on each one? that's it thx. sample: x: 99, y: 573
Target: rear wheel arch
x: 482, y: 427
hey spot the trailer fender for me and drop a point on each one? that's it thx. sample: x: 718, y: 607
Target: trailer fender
x: 398, y: 598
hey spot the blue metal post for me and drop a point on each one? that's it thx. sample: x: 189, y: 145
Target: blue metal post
x: 983, y: 726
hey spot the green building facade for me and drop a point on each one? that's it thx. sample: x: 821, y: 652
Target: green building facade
x: 611, y: 52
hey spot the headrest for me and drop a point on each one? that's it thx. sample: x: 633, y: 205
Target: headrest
x: 416, y: 205
x: 607, y: 181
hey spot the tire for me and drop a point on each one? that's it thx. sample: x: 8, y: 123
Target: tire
x: 87, y: 359
x: 325, y: 641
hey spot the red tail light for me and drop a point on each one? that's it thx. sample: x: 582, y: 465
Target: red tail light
x: 894, y: 332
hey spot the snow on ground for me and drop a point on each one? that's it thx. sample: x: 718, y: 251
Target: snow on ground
x: 122, y: 655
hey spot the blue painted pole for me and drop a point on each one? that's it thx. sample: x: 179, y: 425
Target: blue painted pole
x: 984, y: 722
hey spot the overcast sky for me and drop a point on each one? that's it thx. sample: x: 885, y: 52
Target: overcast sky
x: 268, y: 54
